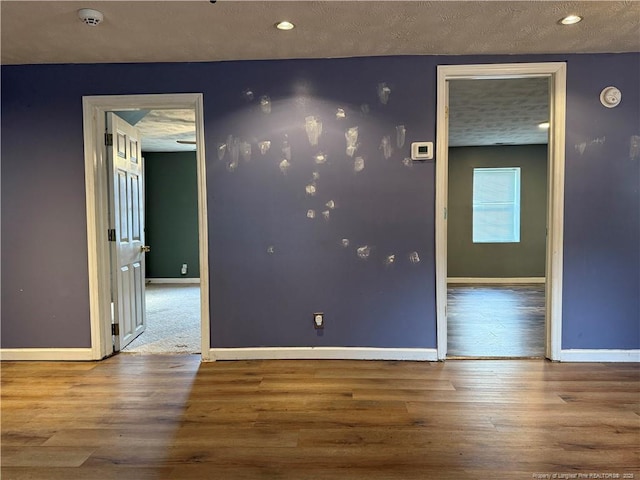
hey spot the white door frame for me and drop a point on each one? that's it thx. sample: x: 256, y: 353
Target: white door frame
x: 96, y: 171
x: 557, y: 72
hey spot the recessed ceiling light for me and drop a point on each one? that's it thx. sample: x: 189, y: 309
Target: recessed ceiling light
x: 570, y: 19
x: 543, y: 125
x: 284, y: 25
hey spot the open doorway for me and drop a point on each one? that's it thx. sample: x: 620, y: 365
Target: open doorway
x: 172, y: 274
x: 553, y: 75
x: 97, y: 173
x: 497, y: 207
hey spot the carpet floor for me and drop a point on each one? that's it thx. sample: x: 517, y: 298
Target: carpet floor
x: 173, y: 320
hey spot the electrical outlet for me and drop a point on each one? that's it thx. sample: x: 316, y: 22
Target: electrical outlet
x: 318, y: 320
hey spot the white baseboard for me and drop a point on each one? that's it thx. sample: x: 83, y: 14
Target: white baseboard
x: 599, y: 355
x: 323, y: 353
x: 172, y: 280
x: 46, y: 354
x: 492, y: 280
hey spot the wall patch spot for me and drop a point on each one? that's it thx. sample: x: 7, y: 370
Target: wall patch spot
x: 358, y: 164
x: 247, y: 94
x: 264, y: 146
x: 326, y: 215
x: 313, y: 126
x: 352, y: 140
x: 414, y: 257
x: 310, y: 189
x: 331, y: 204
x: 271, y: 250
x: 265, y: 104
x: 390, y: 260
x: 341, y: 113
x: 320, y: 158
x: 311, y: 214
x: 364, y: 252
x: 284, y: 166
x: 345, y: 242
x: 383, y: 93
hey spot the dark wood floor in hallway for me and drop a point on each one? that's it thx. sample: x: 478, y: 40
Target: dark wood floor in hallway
x: 135, y: 417
x: 496, y: 320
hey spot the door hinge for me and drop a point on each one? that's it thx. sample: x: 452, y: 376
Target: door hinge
x: 108, y: 139
x: 111, y: 233
x: 115, y: 329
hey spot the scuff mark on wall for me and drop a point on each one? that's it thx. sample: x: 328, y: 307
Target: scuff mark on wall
x: 311, y: 190
x: 326, y: 214
x: 341, y: 113
x: 358, y: 164
x: 331, y: 204
x: 245, y: 151
x: 634, y: 147
x: 271, y: 250
x: 311, y: 214
x: 581, y: 147
x: 400, y: 135
x: 414, y: 257
x: 286, y: 148
x: 364, y: 252
x: 345, y: 242
x: 233, y: 147
x: 390, y: 260
x: 407, y: 162
x: 385, y: 146
x: 364, y: 108
x: 222, y: 148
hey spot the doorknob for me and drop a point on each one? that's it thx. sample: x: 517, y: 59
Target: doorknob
x: 145, y: 248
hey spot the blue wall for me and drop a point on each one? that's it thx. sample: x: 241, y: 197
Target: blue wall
x: 262, y: 296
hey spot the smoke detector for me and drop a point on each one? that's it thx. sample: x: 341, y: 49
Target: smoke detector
x: 90, y: 16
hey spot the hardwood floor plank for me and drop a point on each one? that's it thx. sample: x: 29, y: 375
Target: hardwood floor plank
x: 170, y: 418
x: 496, y: 320
x: 42, y: 456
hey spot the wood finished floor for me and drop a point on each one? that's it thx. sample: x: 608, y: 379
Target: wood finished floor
x: 172, y: 418
x: 496, y: 320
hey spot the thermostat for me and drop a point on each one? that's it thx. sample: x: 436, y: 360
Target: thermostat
x: 421, y: 150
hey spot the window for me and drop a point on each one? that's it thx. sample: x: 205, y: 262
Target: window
x: 496, y: 205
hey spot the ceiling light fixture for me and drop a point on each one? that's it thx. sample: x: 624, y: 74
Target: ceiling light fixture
x: 543, y: 126
x: 90, y: 16
x: 284, y: 25
x: 570, y: 20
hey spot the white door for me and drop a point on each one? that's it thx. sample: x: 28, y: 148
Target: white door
x: 126, y: 223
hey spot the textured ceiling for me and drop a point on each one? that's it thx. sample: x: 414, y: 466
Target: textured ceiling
x: 161, y: 130
x: 178, y: 31
x: 493, y: 112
